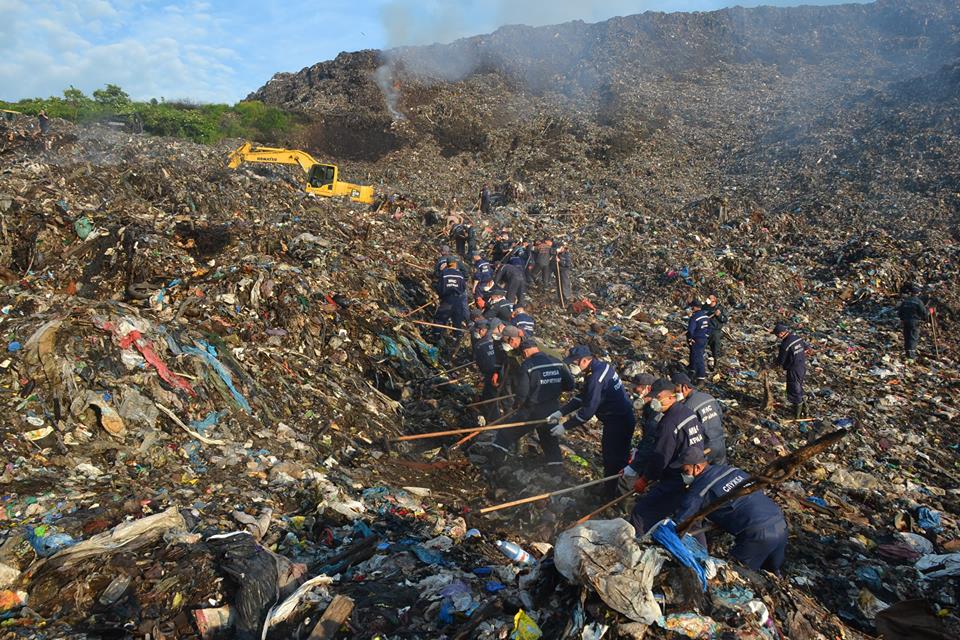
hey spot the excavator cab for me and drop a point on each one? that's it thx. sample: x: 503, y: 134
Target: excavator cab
x: 322, y: 175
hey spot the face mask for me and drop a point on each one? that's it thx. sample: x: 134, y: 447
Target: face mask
x: 679, y: 396
x: 656, y: 405
x: 575, y: 370
x: 476, y: 336
x: 507, y: 347
x: 687, y: 479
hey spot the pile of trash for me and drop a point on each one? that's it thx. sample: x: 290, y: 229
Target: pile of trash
x: 206, y: 370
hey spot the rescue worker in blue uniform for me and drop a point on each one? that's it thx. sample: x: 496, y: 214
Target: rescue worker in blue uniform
x: 537, y: 386
x: 649, y: 421
x: 709, y: 411
x: 792, y: 357
x: 441, y: 263
x: 604, y: 396
x: 754, y: 520
x: 512, y: 278
x: 485, y: 357
x: 451, y: 288
x: 659, y: 483
x: 523, y: 320
x: 460, y: 235
x: 482, y: 270
x: 497, y: 306
x: 485, y: 200
x: 698, y: 333
x: 912, y: 312
x: 501, y: 246
x: 717, y: 319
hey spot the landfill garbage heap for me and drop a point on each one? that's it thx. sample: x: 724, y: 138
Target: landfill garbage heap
x: 205, y: 367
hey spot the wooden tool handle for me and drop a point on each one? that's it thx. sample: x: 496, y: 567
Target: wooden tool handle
x: 453, y: 432
x: 542, y: 496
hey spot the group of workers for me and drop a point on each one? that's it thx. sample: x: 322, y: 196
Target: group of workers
x: 679, y: 464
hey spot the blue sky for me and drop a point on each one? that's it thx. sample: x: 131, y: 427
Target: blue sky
x: 220, y: 50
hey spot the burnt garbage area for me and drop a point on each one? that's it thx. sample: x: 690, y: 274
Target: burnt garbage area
x: 205, y: 372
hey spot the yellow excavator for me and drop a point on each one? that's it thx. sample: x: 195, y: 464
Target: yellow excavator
x: 322, y: 179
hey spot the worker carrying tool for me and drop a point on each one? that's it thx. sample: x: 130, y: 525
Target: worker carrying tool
x: 754, y: 520
x: 912, y: 312
x: 698, y: 333
x: 601, y: 395
x: 649, y: 423
x: 659, y: 483
x: 485, y: 357
x: 451, y: 289
x: 537, y: 387
x: 710, y: 413
x: 792, y: 357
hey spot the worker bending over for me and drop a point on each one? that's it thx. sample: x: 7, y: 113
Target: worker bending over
x: 755, y: 521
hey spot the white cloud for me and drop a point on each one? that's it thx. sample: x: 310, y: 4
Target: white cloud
x: 90, y: 43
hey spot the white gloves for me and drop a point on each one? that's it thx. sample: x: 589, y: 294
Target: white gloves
x: 557, y: 430
x: 554, y: 418
x: 628, y: 476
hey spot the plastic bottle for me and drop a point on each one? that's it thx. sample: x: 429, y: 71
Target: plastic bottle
x: 514, y: 552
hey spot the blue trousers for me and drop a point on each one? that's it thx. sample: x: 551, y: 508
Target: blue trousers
x: 615, y: 446
x: 660, y: 501
x: 698, y: 364
x: 506, y: 438
x: 795, y: 385
x: 762, y: 548
x: 911, y: 335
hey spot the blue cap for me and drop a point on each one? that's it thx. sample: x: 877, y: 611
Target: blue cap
x: 695, y: 303
x: 780, y: 328
x: 681, y: 378
x: 578, y: 352
x: 659, y: 386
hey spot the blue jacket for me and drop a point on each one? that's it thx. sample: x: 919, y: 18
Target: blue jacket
x: 539, y: 383
x: 602, y: 395
x: 524, y: 321
x: 698, y: 328
x: 751, y: 512
x: 792, y: 356
x: 912, y: 310
x: 485, y: 356
x: 511, y: 274
x: 482, y: 271
x: 679, y: 429
x: 710, y: 412
x: 502, y: 310
x: 451, y: 284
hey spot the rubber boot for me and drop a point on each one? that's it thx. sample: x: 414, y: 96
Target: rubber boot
x: 797, y: 410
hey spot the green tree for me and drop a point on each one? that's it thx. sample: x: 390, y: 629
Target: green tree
x: 112, y: 97
x: 76, y: 100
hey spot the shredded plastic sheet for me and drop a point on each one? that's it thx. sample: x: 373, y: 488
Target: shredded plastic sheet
x: 208, y: 353
x: 135, y: 339
x: 665, y: 533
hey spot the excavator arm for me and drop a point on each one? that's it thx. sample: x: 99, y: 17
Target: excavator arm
x: 271, y: 155
x: 322, y: 179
